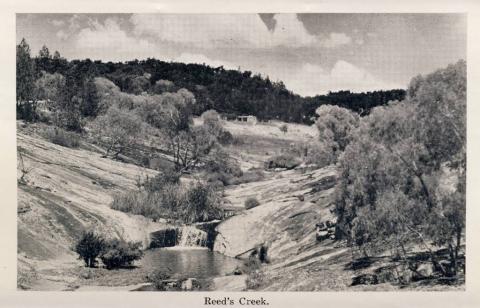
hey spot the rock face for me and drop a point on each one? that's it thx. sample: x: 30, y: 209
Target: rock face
x: 425, y: 270
x: 282, y: 221
x: 68, y: 191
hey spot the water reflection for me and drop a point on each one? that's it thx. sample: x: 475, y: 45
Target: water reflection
x: 189, y: 263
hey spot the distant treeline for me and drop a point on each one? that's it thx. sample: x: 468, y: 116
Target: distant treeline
x: 227, y: 91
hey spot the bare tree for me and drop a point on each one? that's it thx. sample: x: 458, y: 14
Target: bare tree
x: 23, y: 168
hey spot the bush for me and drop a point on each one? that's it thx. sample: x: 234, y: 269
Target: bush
x: 219, y: 179
x: 255, y: 276
x: 251, y: 202
x: 222, y: 168
x: 225, y: 137
x: 284, y: 128
x: 139, y: 203
x: 168, y: 176
x: 255, y: 280
x: 27, y: 111
x: 248, y: 177
x: 89, y: 247
x: 320, y: 154
x: 192, y: 203
x: 286, y: 161
x: 62, y: 137
x: 202, y: 204
x: 119, y: 253
x: 158, y: 279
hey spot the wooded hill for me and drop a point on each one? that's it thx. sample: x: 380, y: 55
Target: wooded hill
x: 227, y: 91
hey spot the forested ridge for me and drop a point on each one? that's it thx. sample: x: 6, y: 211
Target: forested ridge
x: 233, y: 92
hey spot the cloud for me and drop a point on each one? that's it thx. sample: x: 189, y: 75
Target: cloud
x: 224, y: 31
x: 359, y: 41
x: 336, y: 39
x: 108, y: 40
x: 195, y: 35
x: 311, y: 79
x: 62, y: 34
x: 305, y: 79
x: 74, y: 24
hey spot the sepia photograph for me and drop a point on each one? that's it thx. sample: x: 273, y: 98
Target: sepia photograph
x: 241, y: 152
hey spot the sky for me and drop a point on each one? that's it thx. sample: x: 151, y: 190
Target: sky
x: 311, y: 53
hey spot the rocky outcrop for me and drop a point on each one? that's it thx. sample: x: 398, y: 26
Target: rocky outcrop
x: 282, y: 221
x: 68, y: 191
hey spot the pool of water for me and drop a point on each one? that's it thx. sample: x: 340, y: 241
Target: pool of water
x: 199, y: 263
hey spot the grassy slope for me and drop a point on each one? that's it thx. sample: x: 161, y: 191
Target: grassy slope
x: 68, y: 191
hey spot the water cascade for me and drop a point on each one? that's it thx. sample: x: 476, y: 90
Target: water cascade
x: 189, y: 236
x: 185, y: 236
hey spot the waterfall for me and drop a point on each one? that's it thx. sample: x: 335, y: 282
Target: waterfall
x: 189, y: 236
x: 185, y: 236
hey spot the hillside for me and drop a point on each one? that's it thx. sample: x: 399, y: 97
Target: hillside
x: 69, y: 190
x: 233, y: 92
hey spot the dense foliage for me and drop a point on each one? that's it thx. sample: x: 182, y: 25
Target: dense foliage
x: 226, y: 91
x: 171, y: 200
x: 119, y: 253
x: 89, y: 247
x: 335, y: 125
x: 114, y: 253
x: 402, y: 175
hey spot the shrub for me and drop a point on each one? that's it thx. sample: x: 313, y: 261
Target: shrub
x: 255, y: 276
x: 193, y: 203
x: 255, y: 280
x: 173, y: 198
x: 222, y: 168
x: 89, y: 247
x: 320, y: 154
x: 251, y: 202
x: 158, y: 279
x: 62, y: 137
x: 282, y: 161
x: 139, y: 203
x: 248, y: 177
x: 119, y: 253
x: 251, y: 264
x: 284, y: 128
x: 225, y: 137
x: 219, y: 179
x: 202, y: 204
x: 168, y: 176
